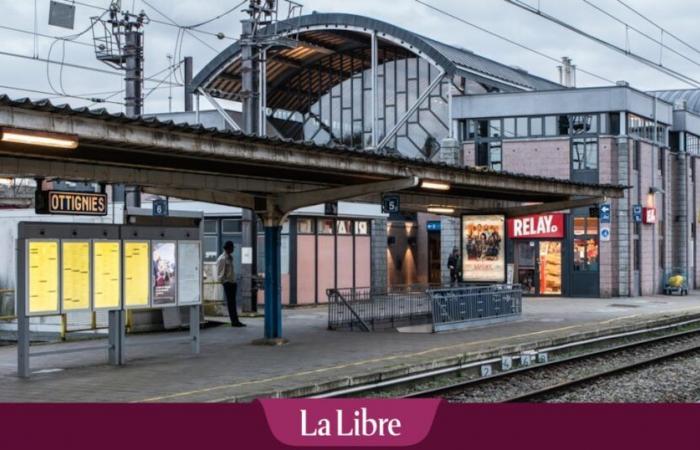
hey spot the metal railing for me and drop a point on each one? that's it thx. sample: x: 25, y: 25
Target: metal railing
x: 444, y: 308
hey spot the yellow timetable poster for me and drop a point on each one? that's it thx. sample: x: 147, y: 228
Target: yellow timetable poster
x: 106, y: 276
x: 75, y: 256
x: 137, y: 276
x: 42, y: 276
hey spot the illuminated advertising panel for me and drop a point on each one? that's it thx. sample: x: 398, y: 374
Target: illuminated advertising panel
x: 42, y: 277
x: 75, y: 269
x: 164, y: 273
x: 137, y: 274
x: 106, y: 274
x: 483, y: 248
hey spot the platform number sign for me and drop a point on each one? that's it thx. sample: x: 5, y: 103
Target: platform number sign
x: 391, y: 204
x: 160, y: 207
x: 605, y: 212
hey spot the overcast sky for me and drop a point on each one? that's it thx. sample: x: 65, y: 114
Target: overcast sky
x: 678, y: 16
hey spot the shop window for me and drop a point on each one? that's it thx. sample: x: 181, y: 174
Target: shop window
x: 344, y: 226
x: 231, y: 226
x: 585, y: 154
x: 305, y: 226
x: 325, y: 226
x: 586, y: 251
x: 536, y: 126
x: 522, y: 130
x: 211, y: 226
x: 361, y: 227
x: 509, y: 127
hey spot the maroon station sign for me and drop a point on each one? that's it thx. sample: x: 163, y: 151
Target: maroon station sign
x: 75, y: 203
x: 537, y: 226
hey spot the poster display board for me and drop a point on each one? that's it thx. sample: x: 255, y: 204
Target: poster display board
x: 75, y: 272
x: 42, y: 277
x: 164, y: 273
x: 137, y: 279
x: 106, y: 274
x: 189, y: 265
x: 483, y: 248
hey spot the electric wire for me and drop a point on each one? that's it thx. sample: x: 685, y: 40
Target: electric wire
x: 37, y: 91
x: 509, y: 40
x: 670, y: 72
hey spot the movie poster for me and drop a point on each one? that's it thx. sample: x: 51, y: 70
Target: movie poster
x: 483, y: 249
x: 164, y: 267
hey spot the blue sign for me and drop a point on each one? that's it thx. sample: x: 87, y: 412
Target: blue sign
x: 637, y: 213
x: 160, y: 207
x: 605, y: 232
x: 605, y: 211
x: 434, y: 225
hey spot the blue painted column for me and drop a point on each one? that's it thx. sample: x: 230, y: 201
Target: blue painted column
x: 273, y: 293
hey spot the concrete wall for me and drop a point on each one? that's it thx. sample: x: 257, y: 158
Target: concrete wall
x: 543, y: 157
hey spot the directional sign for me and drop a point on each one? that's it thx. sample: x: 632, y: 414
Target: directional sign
x: 391, y: 204
x: 637, y: 213
x: 604, y: 232
x: 605, y: 213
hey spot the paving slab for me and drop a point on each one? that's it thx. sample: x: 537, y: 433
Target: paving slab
x: 230, y: 368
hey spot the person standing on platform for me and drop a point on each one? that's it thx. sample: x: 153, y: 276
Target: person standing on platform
x: 453, y: 264
x: 226, y: 276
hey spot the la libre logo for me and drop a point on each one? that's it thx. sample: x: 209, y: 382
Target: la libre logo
x: 356, y: 424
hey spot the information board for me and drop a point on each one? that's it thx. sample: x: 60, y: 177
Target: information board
x: 164, y: 273
x: 106, y: 274
x: 42, y: 277
x: 137, y: 274
x: 189, y: 262
x: 75, y: 269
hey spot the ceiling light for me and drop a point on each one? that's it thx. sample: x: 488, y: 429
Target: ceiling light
x: 39, y: 138
x: 440, y: 210
x: 436, y: 185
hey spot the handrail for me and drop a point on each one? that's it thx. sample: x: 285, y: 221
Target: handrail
x: 347, y: 305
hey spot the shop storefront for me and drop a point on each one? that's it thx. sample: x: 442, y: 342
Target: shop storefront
x: 537, y: 253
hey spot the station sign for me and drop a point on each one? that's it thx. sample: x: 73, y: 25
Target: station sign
x: 73, y: 203
x: 637, y: 213
x: 537, y: 226
x: 649, y: 215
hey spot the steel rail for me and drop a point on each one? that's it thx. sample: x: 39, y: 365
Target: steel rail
x: 446, y: 390
x: 375, y: 386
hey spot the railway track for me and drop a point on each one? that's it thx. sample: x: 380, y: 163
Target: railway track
x: 682, y: 343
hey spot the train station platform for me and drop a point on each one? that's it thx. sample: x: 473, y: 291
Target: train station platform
x: 230, y: 368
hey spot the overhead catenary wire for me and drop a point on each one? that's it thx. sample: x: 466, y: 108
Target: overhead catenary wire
x: 670, y: 72
x: 38, y: 91
x: 509, y: 40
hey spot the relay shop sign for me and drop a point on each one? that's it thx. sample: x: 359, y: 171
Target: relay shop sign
x: 537, y: 226
x: 75, y: 203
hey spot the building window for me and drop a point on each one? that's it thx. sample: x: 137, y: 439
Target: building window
x: 585, y: 154
x: 495, y: 128
x: 563, y: 125
x: 231, y: 226
x: 586, y: 251
x: 361, y: 227
x: 325, y: 226
x: 584, y: 123
x: 551, y: 126
x: 305, y: 226
x: 536, y: 126
x: 603, y: 122
x: 692, y: 144
x: 495, y: 156
x: 614, y: 123
x: 344, y: 226
x: 211, y: 226
x: 509, y: 127
x: 522, y: 130
x: 483, y: 128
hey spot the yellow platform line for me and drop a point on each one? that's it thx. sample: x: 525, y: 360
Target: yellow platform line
x: 179, y: 395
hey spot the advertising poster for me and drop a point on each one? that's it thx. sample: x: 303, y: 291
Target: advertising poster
x: 42, y: 277
x: 483, y: 254
x: 106, y: 274
x: 189, y: 273
x: 164, y: 273
x: 137, y: 274
x: 75, y: 267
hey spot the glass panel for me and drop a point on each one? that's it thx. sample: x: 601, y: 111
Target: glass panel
x: 211, y: 226
x: 550, y: 268
x: 210, y: 246
x: 495, y: 128
x: 285, y: 227
x: 483, y: 128
x: 592, y: 226
x: 231, y: 226
x: 522, y: 127
x: 344, y: 226
x: 325, y: 226
x: 525, y: 258
x: 603, y: 128
x: 305, y: 226
x: 579, y: 226
x: 585, y: 255
x: 563, y: 125
x: 551, y: 126
x: 361, y: 227
x: 536, y: 126
x: 509, y: 127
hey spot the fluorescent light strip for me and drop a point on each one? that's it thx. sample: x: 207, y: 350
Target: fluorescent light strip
x: 440, y: 210
x: 435, y: 185
x: 17, y: 137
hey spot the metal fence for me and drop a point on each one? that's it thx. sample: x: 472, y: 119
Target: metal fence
x: 368, y: 309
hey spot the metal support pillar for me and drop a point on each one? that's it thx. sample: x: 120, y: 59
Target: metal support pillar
x: 188, y: 83
x: 248, y: 79
x: 117, y: 335
x: 273, y: 294
x: 23, y: 368
x: 262, y: 94
x: 194, y: 328
x: 133, y: 52
x: 374, y: 110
